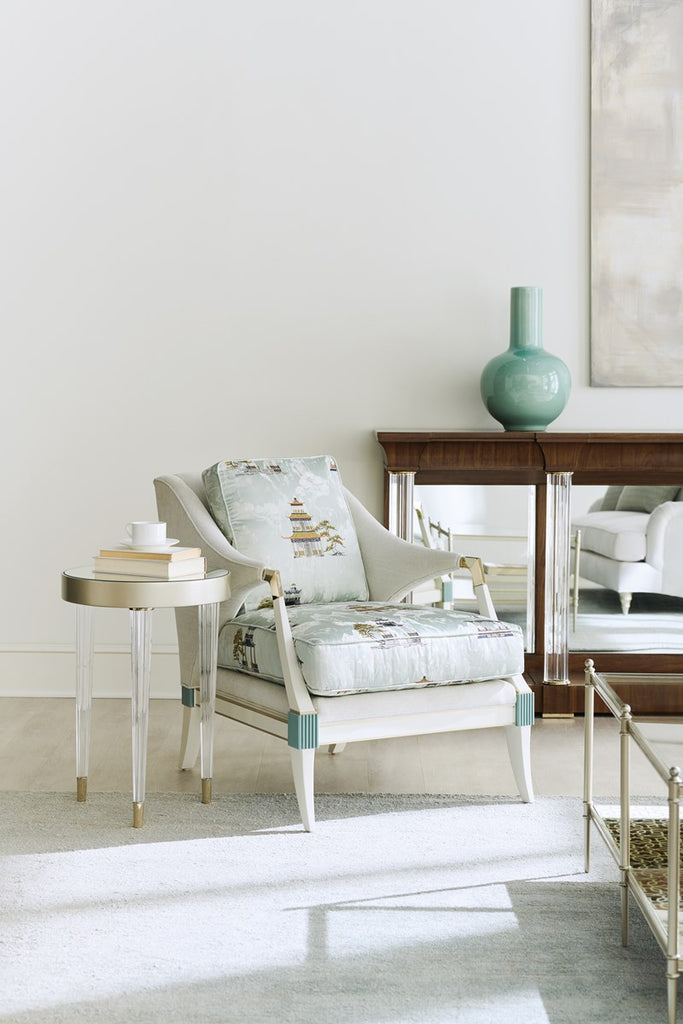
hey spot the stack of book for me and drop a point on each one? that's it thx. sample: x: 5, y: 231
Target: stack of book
x: 166, y: 564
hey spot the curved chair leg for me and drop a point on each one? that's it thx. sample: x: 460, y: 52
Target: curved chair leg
x: 519, y: 748
x: 189, y: 738
x: 302, y: 769
x: 625, y: 600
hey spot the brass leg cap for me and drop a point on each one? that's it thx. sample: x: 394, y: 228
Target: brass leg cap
x: 81, y: 788
x: 137, y: 815
x: 206, y: 791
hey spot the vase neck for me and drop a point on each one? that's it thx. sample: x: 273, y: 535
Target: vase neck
x: 526, y: 318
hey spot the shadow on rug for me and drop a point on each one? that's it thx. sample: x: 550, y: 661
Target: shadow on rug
x: 400, y: 909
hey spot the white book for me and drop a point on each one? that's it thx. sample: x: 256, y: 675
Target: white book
x: 149, y: 567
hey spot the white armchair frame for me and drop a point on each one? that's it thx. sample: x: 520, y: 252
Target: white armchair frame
x: 393, y: 568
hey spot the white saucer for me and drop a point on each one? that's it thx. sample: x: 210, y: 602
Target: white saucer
x: 169, y: 542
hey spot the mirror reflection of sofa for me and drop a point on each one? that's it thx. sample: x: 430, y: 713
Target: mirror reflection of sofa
x: 632, y: 541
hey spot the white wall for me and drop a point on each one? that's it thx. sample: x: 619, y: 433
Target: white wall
x: 264, y: 228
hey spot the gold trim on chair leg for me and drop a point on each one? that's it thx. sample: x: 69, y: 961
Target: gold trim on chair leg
x: 137, y: 814
x: 206, y: 791
x: 81, y: 788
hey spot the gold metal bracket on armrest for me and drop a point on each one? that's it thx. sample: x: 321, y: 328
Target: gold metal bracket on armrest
x: 272, y: 578
x: 476, y: 568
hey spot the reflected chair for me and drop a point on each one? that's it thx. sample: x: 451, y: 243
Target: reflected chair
x: 316, y: 645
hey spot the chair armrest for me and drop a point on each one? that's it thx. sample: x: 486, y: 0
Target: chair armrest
x: 298, y: 697
x: 190, y: 521
x: 394, y: 567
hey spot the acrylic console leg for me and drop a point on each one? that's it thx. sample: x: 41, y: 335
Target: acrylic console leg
x: 141, y: 665
x: 556, y: 661
x: 208, y: 652
x: 401, y: 504
x: 84, y: 656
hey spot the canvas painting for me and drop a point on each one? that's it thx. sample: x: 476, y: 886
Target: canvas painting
x: 637, y: 193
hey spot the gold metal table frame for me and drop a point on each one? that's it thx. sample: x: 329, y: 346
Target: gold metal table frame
x: 141, y: 595
x: 647, y: 885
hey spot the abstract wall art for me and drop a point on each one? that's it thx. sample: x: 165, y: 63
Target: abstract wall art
x: 637, y: 193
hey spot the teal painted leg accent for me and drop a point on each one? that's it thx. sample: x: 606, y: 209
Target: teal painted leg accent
x: 524, y: 709
x: 302, y: 731
x: 447, y: 590
x: 187, y: 696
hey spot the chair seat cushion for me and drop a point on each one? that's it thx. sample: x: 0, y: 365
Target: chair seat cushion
x: 355, y: 647
x: 615, y: 534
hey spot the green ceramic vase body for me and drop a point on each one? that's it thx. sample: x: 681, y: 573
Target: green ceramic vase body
x: 525, y: 388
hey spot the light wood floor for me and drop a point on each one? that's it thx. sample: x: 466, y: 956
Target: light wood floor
x: 37, y: 753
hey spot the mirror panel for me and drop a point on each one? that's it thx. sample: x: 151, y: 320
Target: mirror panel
x: 497, y: 524
x: 618, y: 600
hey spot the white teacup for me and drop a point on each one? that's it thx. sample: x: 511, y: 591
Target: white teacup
x: 144, y: 534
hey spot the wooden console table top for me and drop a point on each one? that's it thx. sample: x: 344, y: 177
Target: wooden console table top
x: 496, y: 456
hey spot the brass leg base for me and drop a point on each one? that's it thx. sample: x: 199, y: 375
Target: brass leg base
x: 137, y: 815
x: 206, y: 791
x: 81, y: 788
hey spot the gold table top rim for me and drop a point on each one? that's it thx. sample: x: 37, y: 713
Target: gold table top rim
x: 80, y: 586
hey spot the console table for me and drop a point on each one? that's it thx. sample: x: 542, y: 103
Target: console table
x: 551, y: 462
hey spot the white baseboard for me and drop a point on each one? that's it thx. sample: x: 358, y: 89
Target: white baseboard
x: 49, y: 670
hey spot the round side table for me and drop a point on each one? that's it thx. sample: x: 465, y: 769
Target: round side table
x: 141, y: 594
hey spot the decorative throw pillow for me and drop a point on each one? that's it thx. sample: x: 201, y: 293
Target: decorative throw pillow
x: 292, y: 515
x: 612, y: 495
x: 645, y: 499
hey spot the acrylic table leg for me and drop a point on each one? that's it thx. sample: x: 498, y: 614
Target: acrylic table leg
x: 84, y: 657
x: 141, y: 664
x: 208, y: 651
x: 556, y: 659
x: 401, y: 504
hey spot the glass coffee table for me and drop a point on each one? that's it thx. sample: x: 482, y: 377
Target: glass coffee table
x: 643, y: 839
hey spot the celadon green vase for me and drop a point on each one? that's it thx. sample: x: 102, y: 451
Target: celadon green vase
x: 525, y: 388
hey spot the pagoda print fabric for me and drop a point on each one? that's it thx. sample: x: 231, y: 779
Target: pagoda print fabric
x: 290, y: 515
x: 363, y: 647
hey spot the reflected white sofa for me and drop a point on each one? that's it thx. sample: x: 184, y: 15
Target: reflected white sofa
x: 632, y: 541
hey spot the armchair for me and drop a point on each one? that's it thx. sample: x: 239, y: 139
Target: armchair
x: 632, y: 542
x: 318, y: 649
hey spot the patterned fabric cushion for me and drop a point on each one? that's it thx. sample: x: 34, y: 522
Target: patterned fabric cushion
x: 360, y: 647
x: 292, y: 515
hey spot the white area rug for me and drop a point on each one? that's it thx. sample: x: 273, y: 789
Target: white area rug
x: 396, y: 909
